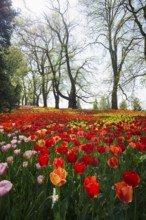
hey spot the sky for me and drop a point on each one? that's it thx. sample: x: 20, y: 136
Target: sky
x: 30, y: 6
x: 36, y: 8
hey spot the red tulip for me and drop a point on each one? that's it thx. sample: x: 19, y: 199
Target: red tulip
x: 58, y: 162
x: 113, y: 162
x: 91, y: 186
x: 88, y: 148
x: 124, y: 192
x: 61, y: 150
x: 43, y: 159
x: 94, y: 162
x: 71, y: 157
x: 87, y: 159
x: 79, y: 167
x: 131, y: 178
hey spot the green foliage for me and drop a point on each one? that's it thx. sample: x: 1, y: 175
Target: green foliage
x: 95, y: 104
x: 136, y: 104
x: 12, y: 68
x: 104, y: 103
x: 9, y: 94
x: 7, y: 14
x: 123, y: 105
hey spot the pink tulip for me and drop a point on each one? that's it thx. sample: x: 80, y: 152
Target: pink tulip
x: 21, y: 137
x: 5, y: 187
x: 13, y: 142
x: 17, y: 151
x: 38, y: 166
x: 25, y: 164
x: 29, y: 153
x: 10, y: 159
x: 40, y: 179
x: 2, y: 143
x: 3, y: 168
x: 6, y: 147
x: 1, y: 130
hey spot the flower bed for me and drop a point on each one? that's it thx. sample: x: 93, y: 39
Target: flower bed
x: 68, y: 164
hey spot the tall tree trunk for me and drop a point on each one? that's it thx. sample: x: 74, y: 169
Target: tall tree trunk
x: 25, y: 100
x: 72, y: 103
x: 57, y: 102
x: 44, y: 92
x: 55, y: 86
x: 114, y: 97
x: 115, y: 90
x: 37, y: 100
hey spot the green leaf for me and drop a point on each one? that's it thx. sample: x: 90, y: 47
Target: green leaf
x: 63, y: 208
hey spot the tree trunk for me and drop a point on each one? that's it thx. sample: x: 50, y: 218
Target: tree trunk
x: 114, y: 96
x: 25, y: 100
x: 57, y: 101
x: 44, y: 92
x: 37, y: 100
x: 72, y: 103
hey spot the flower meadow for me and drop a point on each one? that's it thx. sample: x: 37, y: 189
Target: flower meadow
x: 72, y: 165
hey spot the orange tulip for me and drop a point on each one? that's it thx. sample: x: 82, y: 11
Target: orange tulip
x: 124, y: 192
x: 116, y: 150
x: 58, y: 176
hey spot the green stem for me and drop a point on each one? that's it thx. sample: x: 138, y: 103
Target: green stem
x: 135, y: 204
x: 126, y: 214
x: 93, y: 209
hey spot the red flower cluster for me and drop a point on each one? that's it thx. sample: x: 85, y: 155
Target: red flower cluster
x: 91, y: 186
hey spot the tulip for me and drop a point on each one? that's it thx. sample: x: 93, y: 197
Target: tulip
x: 58, y: 176
x: 29, y: 153
x: 79, y: 167
x: 5, y: 187
x: 38, y: 166
x: 41, y: 143
x: 58, y: 162
x: 94, y: 162
x: 40, y: 179
x: 113, y: 162
x: 3, y: 168
x: 43, y: 159
x: 71, y: 157
x: 87, y: 159
x: 116, y: 150
x: 10, y: 160
x: 25, y: 164
x: 131, y: 178
x: 5, y: 148
x: 124, y: 192
x: 91, y: 186
x: 17, y: 151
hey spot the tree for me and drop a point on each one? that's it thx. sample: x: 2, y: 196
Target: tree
x: 62, y: 27
x: 136, y: 104
x: 123, y: 105
x: 138, y: 10
x: 39, y: 69
x: 95, y: 104
x: 103, y: 104
x: 7, y: 15
x: 8, y: 93
x: 78, y: 104
x: 114, y: 36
